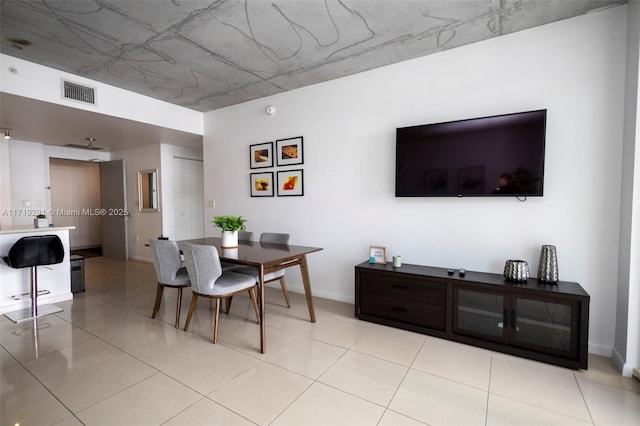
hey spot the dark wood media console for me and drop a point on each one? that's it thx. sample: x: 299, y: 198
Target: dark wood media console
x: 543, y: 322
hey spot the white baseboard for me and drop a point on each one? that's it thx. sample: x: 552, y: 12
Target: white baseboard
x: 602, y: 350
x: 321, y: 294
x: 624, y: 368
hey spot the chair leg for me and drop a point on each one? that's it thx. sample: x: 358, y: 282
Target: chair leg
x: 178, y: 307
x: 158, y: 300
x: 252, y: 295
x: 215, y: 326
x: 228, y: 303
x: 284, y: 291
x: 192, y: 308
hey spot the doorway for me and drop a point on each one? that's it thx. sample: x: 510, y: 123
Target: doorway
x: 88, y: 196
x: 75, y: 194
x: 189, y: 198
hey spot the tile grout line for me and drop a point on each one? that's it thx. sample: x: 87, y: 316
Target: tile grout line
x: 404, y: 377
x: 486, y: 413
x: 44, y: 386
x: 586, y: 404
x: 313, y: 381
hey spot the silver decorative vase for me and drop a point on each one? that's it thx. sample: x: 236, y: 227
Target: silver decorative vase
x: 548, y: 268
x: 516, y: 270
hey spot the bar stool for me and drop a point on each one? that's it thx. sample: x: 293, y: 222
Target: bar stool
x: 31, y: 252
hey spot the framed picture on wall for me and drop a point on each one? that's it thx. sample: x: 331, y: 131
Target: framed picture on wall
x: 261, y: 155
x: 290, y: 183
x: 289, y: 151
x: 262, y: 184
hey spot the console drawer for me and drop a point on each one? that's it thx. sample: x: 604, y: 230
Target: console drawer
x: 398, y: 287
x: 407, y: 311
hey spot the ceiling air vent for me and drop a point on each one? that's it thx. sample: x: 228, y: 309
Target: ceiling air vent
x: 78, y: 92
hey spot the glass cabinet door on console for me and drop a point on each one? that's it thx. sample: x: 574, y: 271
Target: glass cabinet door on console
x: 544, y: 325
x: 479, y: 314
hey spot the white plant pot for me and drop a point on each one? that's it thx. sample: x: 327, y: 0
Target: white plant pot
x: 41, y: 223
x: 229, y: 239
x: 230, y: 253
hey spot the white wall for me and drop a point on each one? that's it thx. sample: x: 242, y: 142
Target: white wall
x: 626, y: 352
x: 167, y: 177
x: 142, y: 225
x: 43, y: 83
x: 146, y: 225
x: 54, y: 151
x: 27, y: 165
x: 6, y: 219
x: 574, y: 68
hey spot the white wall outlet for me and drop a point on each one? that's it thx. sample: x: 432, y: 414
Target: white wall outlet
x: 26, y: 203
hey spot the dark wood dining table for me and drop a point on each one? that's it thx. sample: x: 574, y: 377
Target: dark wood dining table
x: 266, y: 257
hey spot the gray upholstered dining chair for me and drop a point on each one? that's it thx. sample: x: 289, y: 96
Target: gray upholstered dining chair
x: 209, y: 280
x: 245, y: 236
x: 273, y: 238
x: 169, y: 272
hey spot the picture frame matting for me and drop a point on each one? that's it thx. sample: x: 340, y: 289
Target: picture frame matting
x: 290, y: 183
x: 261, y: 155
x: 289, y: 151
x: 261, y: 184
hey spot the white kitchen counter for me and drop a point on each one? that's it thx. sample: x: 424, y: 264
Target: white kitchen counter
x: 33, y: 231
x: 55, y: 278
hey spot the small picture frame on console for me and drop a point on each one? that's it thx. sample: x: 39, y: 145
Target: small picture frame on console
x: 377, y: 254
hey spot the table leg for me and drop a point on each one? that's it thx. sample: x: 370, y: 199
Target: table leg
x: 306, y: 281
x: 263, y: 345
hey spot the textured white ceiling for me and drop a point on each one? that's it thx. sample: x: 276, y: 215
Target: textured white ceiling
x: 205, y: 55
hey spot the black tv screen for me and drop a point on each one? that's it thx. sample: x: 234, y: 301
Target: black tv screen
x: 502, y: 155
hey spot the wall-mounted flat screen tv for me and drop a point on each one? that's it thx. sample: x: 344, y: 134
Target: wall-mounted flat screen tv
x: 502, y: 155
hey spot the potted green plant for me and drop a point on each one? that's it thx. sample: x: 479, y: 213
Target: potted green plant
x: 230, y: 226
x: 41, y: 221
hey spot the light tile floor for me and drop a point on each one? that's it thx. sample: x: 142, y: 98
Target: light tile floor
x: 104, y: 361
